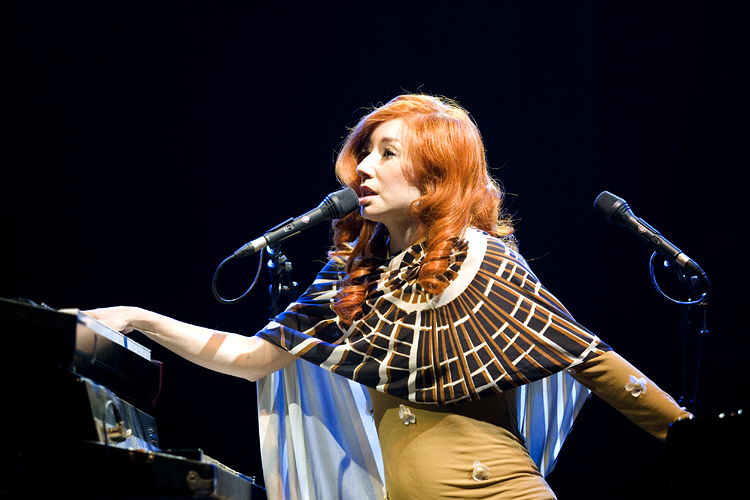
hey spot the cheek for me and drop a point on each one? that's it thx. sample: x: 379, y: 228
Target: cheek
x: 403, y: 179
x: 408, y: 193
x: 409, y: 186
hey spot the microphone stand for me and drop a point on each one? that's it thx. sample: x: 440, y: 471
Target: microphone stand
x: 699, y: 301
x: 282, y: 289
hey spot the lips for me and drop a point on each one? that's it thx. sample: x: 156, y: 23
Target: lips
x: 364, y: 194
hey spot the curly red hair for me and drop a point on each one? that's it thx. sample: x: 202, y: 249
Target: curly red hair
x: 448, y: 166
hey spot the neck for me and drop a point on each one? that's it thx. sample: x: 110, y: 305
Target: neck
x: 403, y: 237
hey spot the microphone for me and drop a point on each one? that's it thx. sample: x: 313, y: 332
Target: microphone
x: 335, y: 206
x: 616, y: 211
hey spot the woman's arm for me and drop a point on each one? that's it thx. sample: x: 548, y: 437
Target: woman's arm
x: 246, y: 357
x: 630, y: 392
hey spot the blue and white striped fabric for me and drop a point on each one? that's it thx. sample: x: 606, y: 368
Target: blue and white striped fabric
x: 317, y: 435
x: 546, y: 410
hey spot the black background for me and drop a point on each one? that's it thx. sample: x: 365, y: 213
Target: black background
x: 146, y: 141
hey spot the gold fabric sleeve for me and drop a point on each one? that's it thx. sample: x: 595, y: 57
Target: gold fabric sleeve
x: 630, y: 392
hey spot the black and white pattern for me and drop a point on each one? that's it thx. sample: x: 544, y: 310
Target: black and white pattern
x: 494, y: 328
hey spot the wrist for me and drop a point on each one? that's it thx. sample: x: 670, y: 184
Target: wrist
x: 140, y: 319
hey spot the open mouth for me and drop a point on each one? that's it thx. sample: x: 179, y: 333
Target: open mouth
x: 364, y: 192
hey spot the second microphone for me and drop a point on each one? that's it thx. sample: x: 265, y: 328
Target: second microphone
x: 335, y: 206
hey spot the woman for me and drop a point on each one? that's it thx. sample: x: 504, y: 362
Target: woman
x: 425, y: 301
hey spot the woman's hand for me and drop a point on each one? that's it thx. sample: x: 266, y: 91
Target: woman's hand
x: 121, y: 319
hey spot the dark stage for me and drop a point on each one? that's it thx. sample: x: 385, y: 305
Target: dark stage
x: 147, y: 141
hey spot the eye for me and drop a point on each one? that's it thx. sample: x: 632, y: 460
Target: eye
x: 362, y: 155
x: 389, y: 152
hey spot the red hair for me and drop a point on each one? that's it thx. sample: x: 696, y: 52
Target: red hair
x: 448, y: 165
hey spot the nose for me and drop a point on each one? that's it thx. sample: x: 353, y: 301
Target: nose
x: 365, y: 167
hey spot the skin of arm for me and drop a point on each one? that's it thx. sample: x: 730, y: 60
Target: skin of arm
x: 251, y: 358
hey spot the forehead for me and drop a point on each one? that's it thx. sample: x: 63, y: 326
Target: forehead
x: 392, y: 130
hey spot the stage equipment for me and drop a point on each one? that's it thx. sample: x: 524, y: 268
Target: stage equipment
x: 690, y: 277
x: 335, y: 206
x: 76, y: 397
x: 707, y: 457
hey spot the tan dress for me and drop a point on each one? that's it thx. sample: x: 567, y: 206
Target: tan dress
x: 444, y: 452
x: 474, y: 450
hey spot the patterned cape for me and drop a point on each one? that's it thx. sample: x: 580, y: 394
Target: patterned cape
x: 493, y: 329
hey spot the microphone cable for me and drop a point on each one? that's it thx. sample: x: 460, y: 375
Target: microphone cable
x: 215, y: 281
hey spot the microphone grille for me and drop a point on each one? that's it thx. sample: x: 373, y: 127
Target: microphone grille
x: 606, y: 205
x: 342, y: 203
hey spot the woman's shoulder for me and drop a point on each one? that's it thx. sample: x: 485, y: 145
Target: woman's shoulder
x: 477, y: 237
x: 494, y: 247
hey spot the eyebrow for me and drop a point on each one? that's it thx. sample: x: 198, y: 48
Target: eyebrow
x: 368, y: 144
x: 390, y: 139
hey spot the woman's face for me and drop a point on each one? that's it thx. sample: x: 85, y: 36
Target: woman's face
x: 385, y: 192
